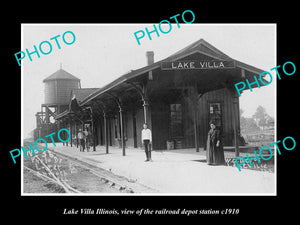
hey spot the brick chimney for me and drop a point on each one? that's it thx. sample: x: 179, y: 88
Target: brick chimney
x: 150, y: 57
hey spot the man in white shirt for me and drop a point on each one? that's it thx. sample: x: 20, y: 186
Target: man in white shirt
x: 147, y: 140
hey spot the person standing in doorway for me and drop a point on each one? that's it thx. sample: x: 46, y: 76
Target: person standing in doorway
x: 80, y: 136
x: 147, y: 141
x: 214, y: 148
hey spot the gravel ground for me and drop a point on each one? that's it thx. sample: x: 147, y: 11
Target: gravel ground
x: 34, y: 184
x: 77, y: 177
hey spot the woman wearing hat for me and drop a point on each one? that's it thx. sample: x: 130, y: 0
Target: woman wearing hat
x: 214, y: 151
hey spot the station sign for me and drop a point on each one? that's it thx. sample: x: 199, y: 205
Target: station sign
x: 197, y: 64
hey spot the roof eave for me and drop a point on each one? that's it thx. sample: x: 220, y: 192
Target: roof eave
x: 248, y: 67
x: 121, y: 79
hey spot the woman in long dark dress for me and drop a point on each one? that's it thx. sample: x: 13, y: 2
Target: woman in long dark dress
x: 214, y: 151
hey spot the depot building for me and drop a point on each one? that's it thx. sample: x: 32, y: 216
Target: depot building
x: 176, y: 97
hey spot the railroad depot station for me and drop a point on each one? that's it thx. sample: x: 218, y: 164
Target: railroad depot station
x: 176, y: 97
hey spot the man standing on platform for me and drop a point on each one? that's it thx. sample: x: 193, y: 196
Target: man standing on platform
x: 147, y: 141
x: 86, y: 139
x: 80, y: 136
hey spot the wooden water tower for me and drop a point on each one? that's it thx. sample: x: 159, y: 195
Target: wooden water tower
x: 57, y: 90
x: 58, y: 87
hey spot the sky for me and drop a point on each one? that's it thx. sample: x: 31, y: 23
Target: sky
x: 103, y: 52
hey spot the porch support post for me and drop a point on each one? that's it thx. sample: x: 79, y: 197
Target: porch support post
x: 119, y: 103
x: 103, y: 109
x: 66, y: 126
x: 122, y: 130
x: 105, y: 131
x: 76, y: 134
x: 235, y: 114
x: 92, y: 125
x: 63, y: 125
x: 195, y: 96
x: 235, y: 124
x: 71, y: 131
x: 196, y: 131
x: 146, y: 109
x: 93, y: 132
x: 67, y: 122
x: 47, y: 118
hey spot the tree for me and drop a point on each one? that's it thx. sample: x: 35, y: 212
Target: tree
x: 248, y: 125
x: 261, y: 117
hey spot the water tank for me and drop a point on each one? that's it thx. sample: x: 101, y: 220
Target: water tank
x: 58, y: 87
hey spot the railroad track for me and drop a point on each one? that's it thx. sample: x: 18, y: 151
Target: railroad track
x: 121, y: 184
x: 67, y: 188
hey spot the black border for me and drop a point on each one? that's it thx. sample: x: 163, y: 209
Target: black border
x: 253, y: 208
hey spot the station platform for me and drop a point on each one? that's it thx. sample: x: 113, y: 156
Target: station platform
x: 182, y: 172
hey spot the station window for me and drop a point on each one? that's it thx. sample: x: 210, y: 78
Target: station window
x: 215, y: 113
x: 176, y: 125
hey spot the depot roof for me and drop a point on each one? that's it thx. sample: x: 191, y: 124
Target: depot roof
x: 81, y: 93
x: 201, y: 46
x: 76, y: 97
